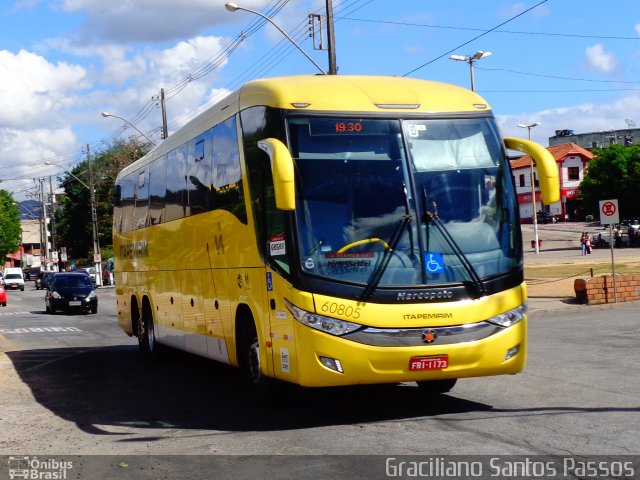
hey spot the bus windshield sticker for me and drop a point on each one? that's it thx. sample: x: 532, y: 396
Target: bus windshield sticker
x: 414, y: 130
x: 433, y: 262
x: 277, y: 245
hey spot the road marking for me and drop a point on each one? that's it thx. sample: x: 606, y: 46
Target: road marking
x: 14, y: 313
x: 40, y: 330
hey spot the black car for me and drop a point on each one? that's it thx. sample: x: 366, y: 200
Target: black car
x: 30, y: 272
x: 43, y: 279
x: 71, y: 292
x: 546, y: 217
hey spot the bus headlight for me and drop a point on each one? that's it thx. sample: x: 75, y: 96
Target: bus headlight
x: 510, y: 317
x: 329, y: 325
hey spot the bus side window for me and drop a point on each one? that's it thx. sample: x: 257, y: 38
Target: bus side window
x: 157, y: 190
x: 199, y: 174
x: 226, y: 181
x: 176, y: 195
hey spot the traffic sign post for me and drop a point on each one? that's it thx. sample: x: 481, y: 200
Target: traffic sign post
x: 609, y: 213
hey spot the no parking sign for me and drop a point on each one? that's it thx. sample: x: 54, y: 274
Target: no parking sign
x: 609, y: 212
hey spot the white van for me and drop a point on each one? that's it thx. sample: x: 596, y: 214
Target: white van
x: 13, y: 278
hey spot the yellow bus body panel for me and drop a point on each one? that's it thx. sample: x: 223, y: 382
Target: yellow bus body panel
x: 360, y: 94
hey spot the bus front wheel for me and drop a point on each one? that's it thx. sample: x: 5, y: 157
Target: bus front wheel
x: 437, y: 386
x: 263, y: 386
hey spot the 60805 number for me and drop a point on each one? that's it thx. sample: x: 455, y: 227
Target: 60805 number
x: 340, y: 309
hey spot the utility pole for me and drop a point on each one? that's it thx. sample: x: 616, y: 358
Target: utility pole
x: 53, y: 215
x: 333, y: 69
x: 317, y: 28
x: 44, y: 234
x: 94, y: 223
x: 163, y: 106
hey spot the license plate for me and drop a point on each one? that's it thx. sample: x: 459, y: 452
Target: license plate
x: 75, y: 303
x: 432, y: 362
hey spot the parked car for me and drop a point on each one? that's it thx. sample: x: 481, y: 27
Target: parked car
x: 635, y: 224
x: 91, y: 271
x: 43, y: 279
x: 546, y: 217
x: 3, y: 296
x: 13, y: 278
x: 73, y: 291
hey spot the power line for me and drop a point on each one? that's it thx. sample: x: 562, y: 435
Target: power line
x: 513, y: 32
x: 555, y: 77
x: 476, y: 37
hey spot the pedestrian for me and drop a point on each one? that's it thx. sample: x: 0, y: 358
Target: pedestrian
x: 587, y: 244
x: 583, y: 242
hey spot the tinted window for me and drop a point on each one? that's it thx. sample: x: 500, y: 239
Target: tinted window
x: 157, y: 190
x: 123, y: 214
x: 176, y: 197
x: 142, y: 199
x: 199, y: 174
x: 227, y: 178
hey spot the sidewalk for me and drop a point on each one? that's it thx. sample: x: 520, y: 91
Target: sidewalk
x: 560, y: 252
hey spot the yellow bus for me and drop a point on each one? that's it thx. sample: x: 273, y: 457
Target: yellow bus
x: 331, y: 230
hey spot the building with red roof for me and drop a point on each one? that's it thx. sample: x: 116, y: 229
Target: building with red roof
x: 572, y: 161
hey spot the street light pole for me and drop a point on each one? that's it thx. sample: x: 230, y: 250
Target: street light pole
x: 533, y: 189
x: 107, y: 114
x: 233, y: 7
x: 471, y: 59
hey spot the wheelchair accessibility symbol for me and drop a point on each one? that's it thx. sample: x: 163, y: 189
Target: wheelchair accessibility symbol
x: 433, y: 262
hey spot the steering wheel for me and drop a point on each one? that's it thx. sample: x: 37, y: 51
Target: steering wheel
x: 351, y: 245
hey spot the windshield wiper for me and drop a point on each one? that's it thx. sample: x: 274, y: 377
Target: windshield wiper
x: 376, y: 275
x: 432, y: 216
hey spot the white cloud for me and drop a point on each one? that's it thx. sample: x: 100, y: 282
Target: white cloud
x: 23, y: 153
x: 33, y: 90
x: 151, y: 20
x: 600, y: 60
x: 637, y: 28
x: 582, y: 118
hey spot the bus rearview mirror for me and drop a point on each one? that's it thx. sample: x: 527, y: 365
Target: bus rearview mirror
x: 545, y: 163
x: 282, y: 171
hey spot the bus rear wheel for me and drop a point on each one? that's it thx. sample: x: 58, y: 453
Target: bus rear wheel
x: 437, y: 386
x: 147, y: 335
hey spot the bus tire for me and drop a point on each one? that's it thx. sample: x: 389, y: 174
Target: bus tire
x: 432, y: 387
x: 147, y: 341
x: 262, y: 386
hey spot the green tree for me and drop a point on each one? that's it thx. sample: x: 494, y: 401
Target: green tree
x: 613, y: 174
x: 73, y: 219
x: 10, y: 230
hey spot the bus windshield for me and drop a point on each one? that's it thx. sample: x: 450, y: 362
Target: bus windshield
x: 403, y: 201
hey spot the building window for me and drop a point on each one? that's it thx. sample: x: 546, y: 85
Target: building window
x: 522, y: 180
x: 573, y: 173
x: 536, y: 182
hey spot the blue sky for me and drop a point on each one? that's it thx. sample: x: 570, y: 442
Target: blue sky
x: 567, y: 64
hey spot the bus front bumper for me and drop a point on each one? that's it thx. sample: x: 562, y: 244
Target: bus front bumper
x: 328, y: 360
